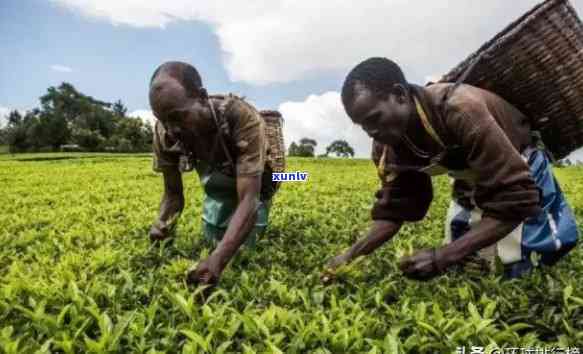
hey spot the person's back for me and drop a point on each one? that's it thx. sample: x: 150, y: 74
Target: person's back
x: 514, y: 123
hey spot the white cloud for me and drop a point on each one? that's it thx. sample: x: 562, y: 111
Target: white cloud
x: 145, y: 114
x: 61, y: 68
x: 280, y: 41
x: 4, y: 112
x: 322, y: 117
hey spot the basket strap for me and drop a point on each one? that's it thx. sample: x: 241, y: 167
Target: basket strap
x: 463, y: 76
x: 460, y: 80
x: 219, y: 138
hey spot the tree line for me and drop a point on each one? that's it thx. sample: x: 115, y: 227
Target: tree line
x: 306, y: 147
x: 68, y: 120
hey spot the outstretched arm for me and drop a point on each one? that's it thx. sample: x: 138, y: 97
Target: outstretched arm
x: 242, y: 222
x: 429, y: 263
x: 380, y: 232
x: 488, y: 231
x: 403, y: 197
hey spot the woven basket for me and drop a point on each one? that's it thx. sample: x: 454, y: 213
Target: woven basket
x: 536, y: 63
x: 274, y: 131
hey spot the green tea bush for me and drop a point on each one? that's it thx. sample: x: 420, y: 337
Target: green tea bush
x: 78, y: 274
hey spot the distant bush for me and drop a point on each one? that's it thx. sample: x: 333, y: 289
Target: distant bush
x: 69, y: 118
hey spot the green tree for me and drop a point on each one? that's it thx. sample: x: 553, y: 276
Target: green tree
x: 14, y: 118
x: 67, y: 116
x: 307, y: 147
x: 132, y: 135
x: 119, y: 109
x: 51, y: 130
x: 340, y: 148
x: 16, y: 131
x: 89, y: 140
x: 67, y: 102
x: 293, y: 149
x: 64, y: 110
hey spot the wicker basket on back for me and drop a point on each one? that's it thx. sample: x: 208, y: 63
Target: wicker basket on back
x: 536, y: 63
x: 274, y: 131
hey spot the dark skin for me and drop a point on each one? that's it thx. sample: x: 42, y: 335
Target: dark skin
x: 385, y: 118
x: 380, y: 232
x: 427, y: 264
x: 172, y: 203
x: 209, y: 270
x: 187, y: 118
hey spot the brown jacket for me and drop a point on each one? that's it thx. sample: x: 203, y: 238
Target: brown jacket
x: 483, y: 134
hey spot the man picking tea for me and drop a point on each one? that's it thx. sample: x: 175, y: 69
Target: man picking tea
x: 224, y: 139
x: 506, y: 202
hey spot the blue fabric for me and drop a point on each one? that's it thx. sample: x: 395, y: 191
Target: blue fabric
x: 460, y: 224
x: 539, y: 234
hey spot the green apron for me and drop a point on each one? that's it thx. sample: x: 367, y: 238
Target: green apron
x: 220, y: 203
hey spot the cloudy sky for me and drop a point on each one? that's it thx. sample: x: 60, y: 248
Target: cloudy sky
x: 287, y: 55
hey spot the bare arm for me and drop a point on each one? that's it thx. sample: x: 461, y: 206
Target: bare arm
x: 380, y: 232
x: 242, y: 222
x: 171, y: 205
x: 402, y: 197
x: 429, y: 263
x: 487, y: 232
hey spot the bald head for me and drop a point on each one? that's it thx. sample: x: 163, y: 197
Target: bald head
x: 184, y: 73
x: 172, y: 85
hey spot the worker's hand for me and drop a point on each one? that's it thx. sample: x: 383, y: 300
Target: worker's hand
x: 206, y: 273
x: 338, y: 261
x: 156, y: 233
x: 328, y: 274
x: 423, y: 265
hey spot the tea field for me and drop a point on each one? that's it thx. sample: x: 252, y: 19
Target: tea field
x: 78, y: 274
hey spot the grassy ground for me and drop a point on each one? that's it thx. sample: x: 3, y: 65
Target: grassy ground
x: 77, y: 272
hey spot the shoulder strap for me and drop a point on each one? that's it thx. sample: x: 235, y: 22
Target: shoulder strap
x: 460, y: 80
x: 463, y: 77
x: 223, y: 128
